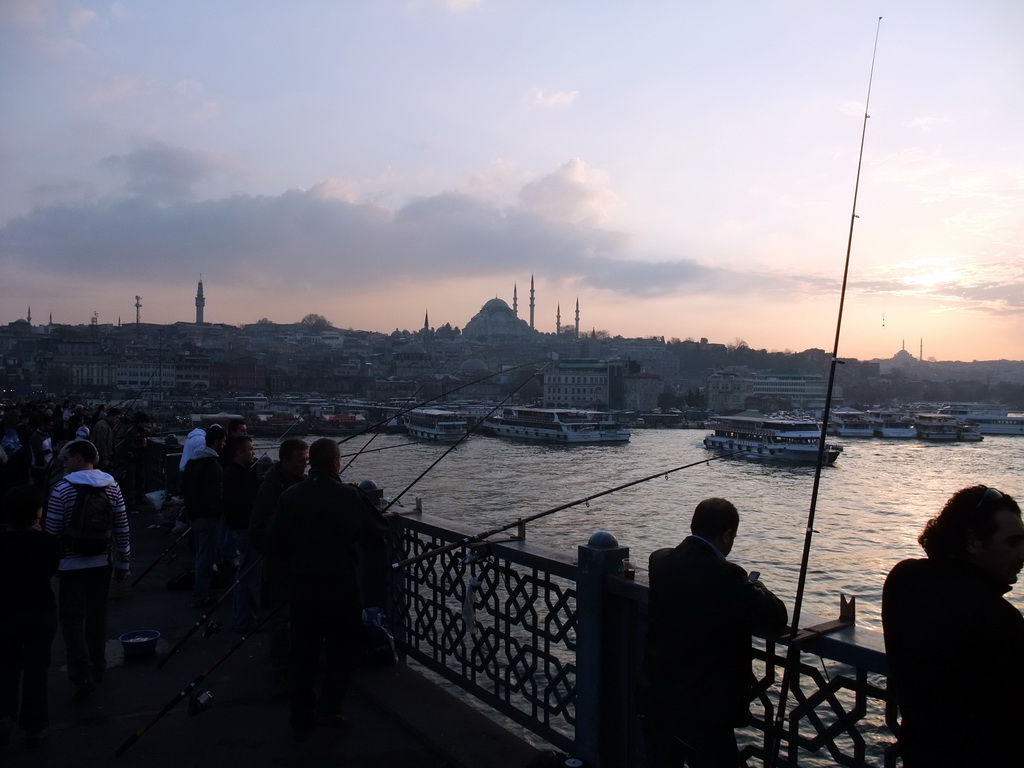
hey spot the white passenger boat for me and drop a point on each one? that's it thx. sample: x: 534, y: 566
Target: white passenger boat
x: 991, y: 419
x: 756, y: 436
x: 968, y: 432
x: 566, y: 426
x: 936, y: 427
x: 435, y: 424
x: 891, y: 424
x: 850, y: 423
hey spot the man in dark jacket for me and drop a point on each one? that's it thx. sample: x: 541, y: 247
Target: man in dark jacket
x: 313, y: 537
x: 955, y: 646
x: 240, y: 485
x: 695, y: 686
x: 293, y: 456
x: 202, y: 484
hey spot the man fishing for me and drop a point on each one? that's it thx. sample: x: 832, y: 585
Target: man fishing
x: 955, y: 645
x: 695, y: 684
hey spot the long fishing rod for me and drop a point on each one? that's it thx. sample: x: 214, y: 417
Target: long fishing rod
x: 793, y: 654
x: 382, y: 448
x: 376, y: 433
x: 403, y: 411
x: 196, y: 682
x: 523, y: 520
x: 468, y: 432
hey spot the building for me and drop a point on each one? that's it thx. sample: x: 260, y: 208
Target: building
x: 593, y: 384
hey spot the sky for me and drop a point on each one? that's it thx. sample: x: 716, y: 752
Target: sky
x: 683, y: 169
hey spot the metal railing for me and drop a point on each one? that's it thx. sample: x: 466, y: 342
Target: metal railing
x: 554, y: 642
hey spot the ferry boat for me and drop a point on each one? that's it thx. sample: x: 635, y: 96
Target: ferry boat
x: 937, y: 427
x: 435, y: 424
x: 850, y: 423
x: 991, y: 419
x: 756, y: 436
x: 967, y: 432
x: 891, y: 424
x: 565, y: 426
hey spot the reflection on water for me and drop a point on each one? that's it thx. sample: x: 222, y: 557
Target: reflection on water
x: 872, y: 504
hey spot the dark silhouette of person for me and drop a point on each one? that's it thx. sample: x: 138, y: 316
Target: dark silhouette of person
x: 696, y: 681
x: 955, y: 645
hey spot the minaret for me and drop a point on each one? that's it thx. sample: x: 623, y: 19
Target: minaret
x: 531, y: 302
x: 200, y: 302
x: 515, y: 299
x: 558, y: 320
x: 29, y: 318
x: 138, y: 312
x: 426, y: 320
x: 921, y: 352
x: 577, y: 317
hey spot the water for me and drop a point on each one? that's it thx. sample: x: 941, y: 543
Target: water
x: 871, y: 505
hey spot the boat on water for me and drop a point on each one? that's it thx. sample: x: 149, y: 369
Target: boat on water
x: 990, y: 419
x: 891, y: 424
x: 774, y: 438
x: 936, y: 427
x: 435, y: 424
x: 967, y: 432
x: 563, y: 426
x: 850, y: 423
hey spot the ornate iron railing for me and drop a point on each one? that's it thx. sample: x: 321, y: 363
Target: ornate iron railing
x: 554, y: 642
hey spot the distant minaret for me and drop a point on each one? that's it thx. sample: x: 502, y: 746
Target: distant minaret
x: 51, y: 318
x: 515, y: 299
x: 29, y: 318
x: 138, y: 313
x: 577, y: 317
x: 531, y: 302
x: 426, y: 320
x: 921, y: 353
x: 200, y: 302
x: 558, y: 320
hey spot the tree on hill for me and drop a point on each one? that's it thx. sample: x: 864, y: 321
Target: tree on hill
x: 317, y: 321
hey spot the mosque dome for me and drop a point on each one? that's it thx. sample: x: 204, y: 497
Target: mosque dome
x: 473, y: 367
x: 496, y: 305
x: 496, y: 321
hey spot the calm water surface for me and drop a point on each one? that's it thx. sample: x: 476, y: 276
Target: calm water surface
x: 871, y: 505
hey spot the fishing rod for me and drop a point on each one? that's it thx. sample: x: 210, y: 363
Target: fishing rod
x: 523, y: 520
x: 793, y: 653
x: 411, y: 398
x: 468, y: 432
x: 382, y: 448
x: 162, y: 555
x: 404, y: 411
x: 205, y: 618
x: 198, y: 702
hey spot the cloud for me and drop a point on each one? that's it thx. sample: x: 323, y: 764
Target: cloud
x: 557, y: 99
x: 116, y: 90
x: 81, y: 17
x: 162, y: 173
x: 575, y: 192
x: 925, y: 124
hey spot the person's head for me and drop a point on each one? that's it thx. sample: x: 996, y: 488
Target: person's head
x: 325, y: 456
x: 114, y: 415
x: 293, y: 455
x: 981, y: 526
x: 239, y: 450
x: 216, y: 437
x: 81, y: 454
x: 23, y: 507
x: 716, y: 520
x: 141, y: 420
x: 236, y: 428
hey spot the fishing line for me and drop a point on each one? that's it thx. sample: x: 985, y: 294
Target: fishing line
x: 468, y: 432
x: 523, y: 520
x: 793, y: 654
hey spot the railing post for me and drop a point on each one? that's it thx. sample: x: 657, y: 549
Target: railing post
x: 596, y: 706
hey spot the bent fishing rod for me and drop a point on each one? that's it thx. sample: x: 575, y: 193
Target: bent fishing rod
x: 523, y: 520
x: 196, y: 682
x: 468, y: 432
x: 161, y: 556
x: 793, y: 653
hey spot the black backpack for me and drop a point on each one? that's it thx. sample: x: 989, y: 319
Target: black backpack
x: 89, y: 530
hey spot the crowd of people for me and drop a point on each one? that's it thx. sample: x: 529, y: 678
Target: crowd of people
x: 278, y: 538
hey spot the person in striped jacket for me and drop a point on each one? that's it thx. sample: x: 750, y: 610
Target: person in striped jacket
x: 85, y: 576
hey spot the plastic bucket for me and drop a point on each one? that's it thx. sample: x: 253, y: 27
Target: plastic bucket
x: 139, y: 642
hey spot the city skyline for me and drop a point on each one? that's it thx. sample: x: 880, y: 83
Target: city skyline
x: 687, y: 171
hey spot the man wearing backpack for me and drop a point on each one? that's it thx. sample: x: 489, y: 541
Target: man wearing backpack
x: 86, y: 510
